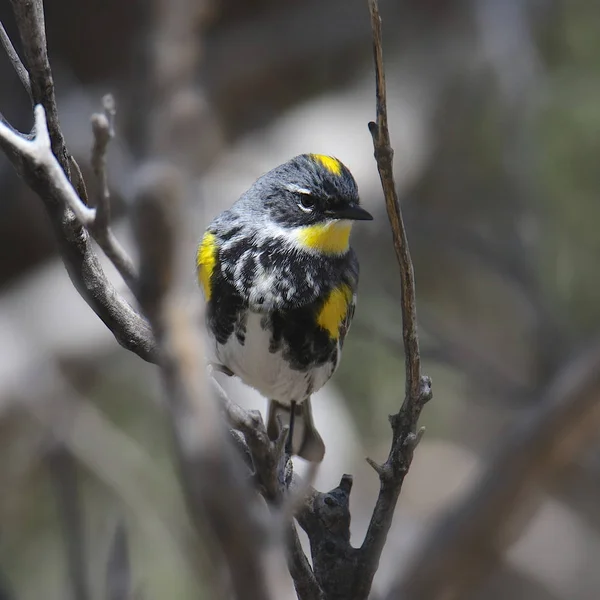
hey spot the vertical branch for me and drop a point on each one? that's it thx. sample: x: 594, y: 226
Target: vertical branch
x: 384, y: 155
x: 405, y: 436
x: 341, y: 570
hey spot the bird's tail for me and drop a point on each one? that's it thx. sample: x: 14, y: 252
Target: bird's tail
x: 306, y: 441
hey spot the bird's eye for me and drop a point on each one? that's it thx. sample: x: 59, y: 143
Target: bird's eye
x: 306, y: 203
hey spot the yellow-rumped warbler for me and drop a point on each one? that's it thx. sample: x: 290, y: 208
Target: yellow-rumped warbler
x: 280, y: 278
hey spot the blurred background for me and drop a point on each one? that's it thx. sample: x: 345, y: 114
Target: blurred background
x: 495, y: 120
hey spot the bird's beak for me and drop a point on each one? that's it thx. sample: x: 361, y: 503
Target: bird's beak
x: 353, y: 212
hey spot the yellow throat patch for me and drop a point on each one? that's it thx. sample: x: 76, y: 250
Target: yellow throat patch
x: 332, y: 237
x: 206, y: 260
x: 334, y: 310
x: 333, y: 165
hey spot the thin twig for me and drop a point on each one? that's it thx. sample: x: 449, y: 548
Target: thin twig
x: 341, y: 570
x: 384, y: 155
x: 18, y: 66
x: 103, y: 129
x: 405, y: 435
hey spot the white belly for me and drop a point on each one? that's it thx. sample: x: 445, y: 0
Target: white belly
x: 268, y: 373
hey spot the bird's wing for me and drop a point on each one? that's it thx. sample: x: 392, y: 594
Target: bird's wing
x: 225, y: 304
x: 347, y: 321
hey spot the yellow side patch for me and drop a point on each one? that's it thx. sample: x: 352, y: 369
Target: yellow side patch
x: 329, y: 238
x: 334, y: 310
x: 333, y: 165
x: 206, y: 260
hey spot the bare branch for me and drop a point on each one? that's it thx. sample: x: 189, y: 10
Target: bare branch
x: 276, y: 482
x: 84, y: 269
x: 384, y: 155
x: 305, y: 582
x: 36, y: 162
x: 469, y: 540
x: 103, y: 129
x: 418, y: 388
x: 267, y: 456
x: 18, y: 66
x: 325, y: 517
x: 219, y: 498
x: 39, y: 153
x: 29, y: 16
x: 284, y: 491
x: 341, y: 570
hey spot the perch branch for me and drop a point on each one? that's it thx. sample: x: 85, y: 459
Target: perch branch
x: 470, y: 539
x: 276, y: 482
x: 219, y: 499
x: 267, y: 456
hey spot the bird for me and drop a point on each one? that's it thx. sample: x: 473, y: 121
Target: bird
x: 279, y: 279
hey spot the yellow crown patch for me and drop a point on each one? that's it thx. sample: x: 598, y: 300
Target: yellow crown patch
x: 331, y: 164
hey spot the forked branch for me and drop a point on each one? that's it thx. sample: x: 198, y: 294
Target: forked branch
x: 348, y: 572
x: 81, y: 262
x: 405, y: 435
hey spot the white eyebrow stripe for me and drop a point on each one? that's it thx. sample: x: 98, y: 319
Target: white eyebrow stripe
x: 292, y: 187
